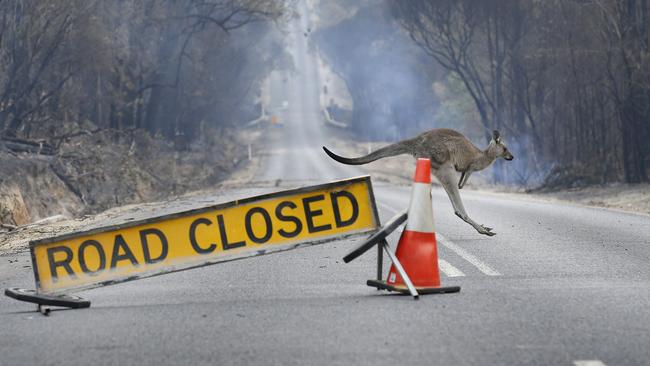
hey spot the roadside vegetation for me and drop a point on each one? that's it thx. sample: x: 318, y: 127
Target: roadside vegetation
x: 110, y: 102
x: 566, y: 82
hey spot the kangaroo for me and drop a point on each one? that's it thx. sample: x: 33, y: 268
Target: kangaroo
x: 449, y: 152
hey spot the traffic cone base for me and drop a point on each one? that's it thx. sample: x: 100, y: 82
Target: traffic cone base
x: 402, y: 289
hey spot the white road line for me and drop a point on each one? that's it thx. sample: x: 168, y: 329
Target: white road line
x: 482, y: 266
x: 589, y: 363
x: 387, y: 207
x: 448, y: 269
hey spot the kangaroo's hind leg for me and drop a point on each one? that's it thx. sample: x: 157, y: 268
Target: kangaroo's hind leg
x: 447, y: 177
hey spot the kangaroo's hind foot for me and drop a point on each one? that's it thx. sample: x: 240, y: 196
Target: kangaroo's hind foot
x: 482, y: 229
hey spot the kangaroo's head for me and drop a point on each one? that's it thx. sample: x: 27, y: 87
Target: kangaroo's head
x: 498, y: 148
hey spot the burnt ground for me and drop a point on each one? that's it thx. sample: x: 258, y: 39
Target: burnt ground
x: 93, y: 172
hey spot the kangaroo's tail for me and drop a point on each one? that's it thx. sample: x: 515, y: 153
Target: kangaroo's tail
x: 386, y: 151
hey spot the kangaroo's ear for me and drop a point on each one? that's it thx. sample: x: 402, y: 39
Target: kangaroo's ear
x: 496, y: 135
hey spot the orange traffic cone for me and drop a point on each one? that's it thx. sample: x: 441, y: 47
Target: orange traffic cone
x: 417, y: 250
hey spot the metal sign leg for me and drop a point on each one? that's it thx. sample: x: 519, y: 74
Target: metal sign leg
x: 400, y: 269
x: 380, y: 262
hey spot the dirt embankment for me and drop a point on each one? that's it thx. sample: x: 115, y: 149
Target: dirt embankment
x: 93, y: 172
x: 625, y: 197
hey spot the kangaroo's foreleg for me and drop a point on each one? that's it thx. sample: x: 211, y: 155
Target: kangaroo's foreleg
x: 446, y: 176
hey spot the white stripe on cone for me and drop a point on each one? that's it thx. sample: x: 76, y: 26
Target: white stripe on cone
x: 420, y: 217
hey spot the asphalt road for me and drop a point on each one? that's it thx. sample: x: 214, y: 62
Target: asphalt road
x: 559, y: 284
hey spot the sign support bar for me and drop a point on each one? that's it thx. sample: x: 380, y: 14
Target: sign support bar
x: 400, y: 269
x: 379, y: 239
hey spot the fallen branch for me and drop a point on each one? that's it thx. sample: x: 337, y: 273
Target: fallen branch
x: 8, y: 227
x: 59, y: 139
x: 35, y: 147
x: 49, y: 220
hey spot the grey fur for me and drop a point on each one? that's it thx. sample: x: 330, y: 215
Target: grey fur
x: 448, y: 151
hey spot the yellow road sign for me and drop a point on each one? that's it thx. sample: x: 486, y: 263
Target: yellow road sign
x: 244, y: 228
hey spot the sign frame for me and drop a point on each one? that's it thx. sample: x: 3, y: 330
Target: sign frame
x: 365, y: 179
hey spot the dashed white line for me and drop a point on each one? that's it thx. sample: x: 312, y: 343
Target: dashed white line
x: 589, y: 363
x: 387, y: 207
x: 448, y: 269
x: 482, y: 266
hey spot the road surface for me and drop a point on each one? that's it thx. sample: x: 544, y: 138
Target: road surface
x: 558, y: 285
